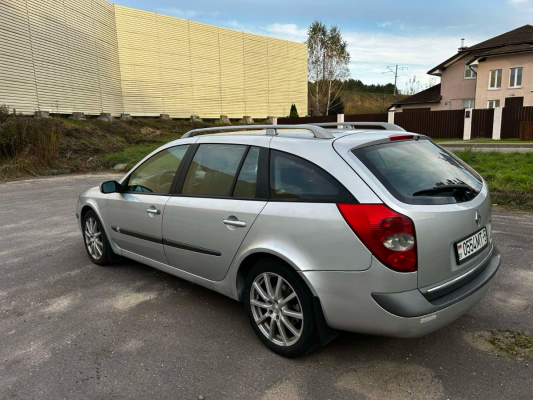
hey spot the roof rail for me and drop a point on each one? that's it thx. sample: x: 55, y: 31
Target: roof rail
x: 385, y: 125
x: 271, y: 130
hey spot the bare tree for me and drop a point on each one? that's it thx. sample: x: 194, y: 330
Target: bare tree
x: 432, y: 82
x: 328, y: 60
x: 316, y: 49
x: 412, y: 86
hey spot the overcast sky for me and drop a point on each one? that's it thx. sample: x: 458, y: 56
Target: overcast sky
x: 417, y: 34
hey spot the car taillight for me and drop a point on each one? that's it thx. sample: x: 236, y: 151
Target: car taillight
x: 388, y: 235
x: 400, y: 137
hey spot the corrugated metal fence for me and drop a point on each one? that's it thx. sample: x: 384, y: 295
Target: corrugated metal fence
x: 482, y: 123
x: 440, y: 124
x: 378, y: 117
x: 435, y: 124
x: 307, y: 120
x: 512, y: 117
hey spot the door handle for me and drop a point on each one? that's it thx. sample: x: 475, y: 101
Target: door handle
x: 240, y: 224
x: 153, y: 210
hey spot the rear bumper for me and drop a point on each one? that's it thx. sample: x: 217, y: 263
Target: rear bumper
x: 350, y: 301
x: 414, y: 303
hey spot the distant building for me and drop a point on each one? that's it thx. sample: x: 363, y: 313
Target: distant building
x: 92, y: 56
x: 495, y: 73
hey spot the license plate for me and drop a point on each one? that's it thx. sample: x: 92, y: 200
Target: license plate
x: 470, y: 246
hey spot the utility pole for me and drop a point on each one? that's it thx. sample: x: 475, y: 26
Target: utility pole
x: 395, y: 72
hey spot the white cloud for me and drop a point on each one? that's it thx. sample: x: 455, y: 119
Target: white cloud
x: 393, y: 24
x: 372, y: 53
x: 178, y: 13
x: 235, y: 25
x: 524, y: 6
x: 288, y: 32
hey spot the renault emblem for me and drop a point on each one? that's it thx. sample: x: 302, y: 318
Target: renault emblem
x: 478, y: 218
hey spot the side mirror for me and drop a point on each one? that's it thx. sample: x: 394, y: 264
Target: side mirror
x: 110, y: 187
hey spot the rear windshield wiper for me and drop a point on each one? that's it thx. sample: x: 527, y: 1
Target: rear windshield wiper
x: 445, y: 188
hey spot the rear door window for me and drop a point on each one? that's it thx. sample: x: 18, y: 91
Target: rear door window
x: 246, y: 184
x: 213, y: 170
x: 295, y: 179
x: 419, y: 172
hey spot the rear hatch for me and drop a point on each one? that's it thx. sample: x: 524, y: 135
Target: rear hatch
x: 447, y: 200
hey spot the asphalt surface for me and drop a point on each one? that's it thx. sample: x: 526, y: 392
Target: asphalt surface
x: 72, y: 330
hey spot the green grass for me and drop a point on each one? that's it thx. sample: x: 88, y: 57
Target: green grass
x: 130, y: 156
x: 515, y: 141
x: 515, y: 345
x: 90, y: 145
x: 509, y: 175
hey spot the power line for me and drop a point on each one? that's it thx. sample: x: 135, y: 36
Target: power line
x: 395, y: 72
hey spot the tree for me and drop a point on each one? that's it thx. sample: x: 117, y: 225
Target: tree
x: 336, y: 106
x: 328, y: 60
x: 294, y: 112
x: 412, y: 86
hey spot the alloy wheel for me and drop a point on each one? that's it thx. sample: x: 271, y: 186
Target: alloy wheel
x: 93, y: 238
x: 276, y: 309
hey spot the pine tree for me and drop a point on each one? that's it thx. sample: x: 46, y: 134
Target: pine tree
x: 294, y: 112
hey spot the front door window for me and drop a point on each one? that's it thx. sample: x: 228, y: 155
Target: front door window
x: 156, y: 174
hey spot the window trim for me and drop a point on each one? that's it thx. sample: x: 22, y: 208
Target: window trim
x: 495, y: 100
x: 321, y: 201
x: 470, y: 103
x: 262, y: 169
x: 467, y: 67
x: 516, y: 77
x: 496, y: 79
x: 238, y: 172
x: 174, y: 180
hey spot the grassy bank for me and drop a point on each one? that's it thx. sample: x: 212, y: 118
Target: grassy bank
x: 509, y: 176
x: 477, y: 141
x: 37, y: 147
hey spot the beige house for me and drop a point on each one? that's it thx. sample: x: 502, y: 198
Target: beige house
x: 495, y: 73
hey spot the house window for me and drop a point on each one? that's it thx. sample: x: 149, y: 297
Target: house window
x: 468, y: 103
x: 469, y: 74
x: 495, y: 79
x: 493, y: 103
x: 515, y: 79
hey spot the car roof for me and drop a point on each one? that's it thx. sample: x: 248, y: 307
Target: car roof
x: 359, y: 135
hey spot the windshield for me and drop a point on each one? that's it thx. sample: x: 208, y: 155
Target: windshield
x: 419, y: 172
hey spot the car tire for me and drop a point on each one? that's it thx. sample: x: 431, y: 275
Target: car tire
x: 96, y: 242
x: 283, y: 318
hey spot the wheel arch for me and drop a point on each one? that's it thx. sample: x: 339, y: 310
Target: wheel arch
x: 251, y: 259
x: 326, y: 334
x: 88, y: 206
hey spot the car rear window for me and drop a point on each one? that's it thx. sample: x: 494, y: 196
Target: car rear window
x: 420, y: 172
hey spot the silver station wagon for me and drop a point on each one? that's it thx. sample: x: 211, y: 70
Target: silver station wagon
x: 317, y: 229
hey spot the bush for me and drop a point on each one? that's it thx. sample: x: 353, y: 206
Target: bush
x: 294, y: 111
x: 29, y: 138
